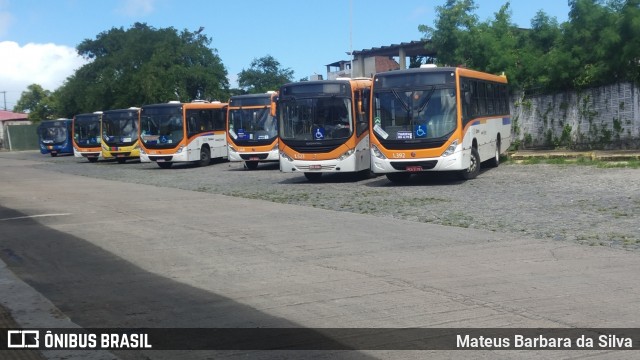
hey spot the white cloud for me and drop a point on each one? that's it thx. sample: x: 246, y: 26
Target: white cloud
x: 47, y: 65
x: 136, y: 7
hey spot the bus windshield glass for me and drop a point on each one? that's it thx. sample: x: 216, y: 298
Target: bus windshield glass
x: 161, y: 126
x: 86, y: 129
x: 53, y: 132
x: 252, y: 124
x: 412, y: 114
x: 317, y: 119
x: 120, y: 128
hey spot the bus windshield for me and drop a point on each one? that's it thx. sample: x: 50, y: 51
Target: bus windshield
x: 53, y: 132
x: 318, y: 119
x: 120, y: 128
x: 252, y: 124
x: 86, y: 130
x: 161, y: 126
x: 411, y: 114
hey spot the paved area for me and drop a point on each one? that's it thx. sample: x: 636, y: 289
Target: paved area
x: 109, y: 253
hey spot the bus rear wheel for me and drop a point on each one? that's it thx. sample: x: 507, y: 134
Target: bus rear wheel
x: 398, y: 177
x: 165, y: 165
x: 251, y: 165
x: 474, y: 166
x: 495, y: 160
x: 205, y: 156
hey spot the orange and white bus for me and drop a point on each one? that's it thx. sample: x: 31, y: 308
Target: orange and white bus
x: 183, y: 132
x: 120, y: 134
x: 252, y: 130
x: 86, y: 136
x: 438, y: 119
x: 323, y: 127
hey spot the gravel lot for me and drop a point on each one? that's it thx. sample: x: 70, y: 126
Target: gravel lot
x: 584, y: 204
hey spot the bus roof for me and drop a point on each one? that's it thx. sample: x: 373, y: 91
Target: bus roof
x: 458, y: 70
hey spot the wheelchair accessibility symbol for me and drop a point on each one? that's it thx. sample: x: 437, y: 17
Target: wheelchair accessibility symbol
x: 318, y: 134
x: 420, y: 131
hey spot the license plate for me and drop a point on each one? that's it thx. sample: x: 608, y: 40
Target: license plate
x: 315, y: 167
x: 160, y: 160
x: 254, y: 158
x: 413, y: 168
x: 119, y: 155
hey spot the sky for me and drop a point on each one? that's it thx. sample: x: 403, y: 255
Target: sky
x: 38, y: 37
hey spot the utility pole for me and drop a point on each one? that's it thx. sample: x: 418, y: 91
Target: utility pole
x: 5, y: 99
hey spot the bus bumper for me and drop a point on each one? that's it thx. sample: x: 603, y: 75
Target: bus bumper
x: 454, y: 162
x: 347, y: 164
x: 273, y: 155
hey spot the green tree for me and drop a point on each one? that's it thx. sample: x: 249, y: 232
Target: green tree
x: 36, y: 101
x: 143, y: 65
x: 452, y: 32
x: 264, y: 74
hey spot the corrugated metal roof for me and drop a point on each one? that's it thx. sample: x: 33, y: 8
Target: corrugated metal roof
x: 412, y: 48
x: 9, y: 115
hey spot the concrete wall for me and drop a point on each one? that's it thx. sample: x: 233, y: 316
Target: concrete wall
x: 607, y: 117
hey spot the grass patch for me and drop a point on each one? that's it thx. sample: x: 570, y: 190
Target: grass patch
x: 583, y: 161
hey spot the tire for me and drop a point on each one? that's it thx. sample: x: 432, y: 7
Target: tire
x: 495, y: 160
x: 474, y: 166
x: 93, y: 159
x: 313, y: 177
x: 165, y: 165
x: 121, y: 160
x: 54, y: 154
x: 205, y: 156
x: 251, y: 165
x: 398, y: 177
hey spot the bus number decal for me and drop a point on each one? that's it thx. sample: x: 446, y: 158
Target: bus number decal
x: 399, y: 155
x: 299, y: 156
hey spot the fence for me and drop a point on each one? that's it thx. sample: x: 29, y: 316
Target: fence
x: 20, y: 137
x: 607, y: 117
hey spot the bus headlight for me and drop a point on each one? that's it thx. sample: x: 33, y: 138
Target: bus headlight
x: 282, y: 153
x: 180, y: 149
x: 142, y: 151
x: 377, y: 153
x: 345, y: 155
x: 451, y: 149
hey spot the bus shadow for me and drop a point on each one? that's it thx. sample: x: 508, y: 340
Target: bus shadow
x: 98, y: 289
x: 435, y: 178
x: 267, y: 166
x: 184, y: 165
x: 329, y: 178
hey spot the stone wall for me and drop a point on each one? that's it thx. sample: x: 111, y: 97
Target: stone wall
x: 607, y: 117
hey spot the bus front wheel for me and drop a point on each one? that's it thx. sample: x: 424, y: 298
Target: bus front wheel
x: 165, y: 165
x: 474, y: 166
x: 93, y: 159
x: 251, y: 165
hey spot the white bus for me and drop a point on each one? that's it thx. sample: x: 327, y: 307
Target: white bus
x: 252, y: 131
x: 438, y: 119
x: 183, y: 132
x: 323, y: 127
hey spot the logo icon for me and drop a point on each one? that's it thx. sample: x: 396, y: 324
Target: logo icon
x: 20, y: 339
